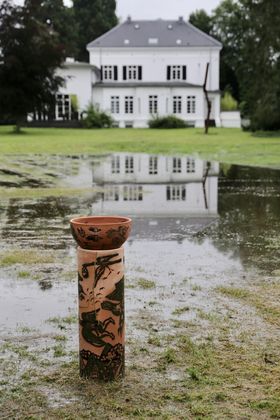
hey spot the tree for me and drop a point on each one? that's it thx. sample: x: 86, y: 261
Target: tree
x: 29, y: 55
x: 94, y: 18
x: 201, y: 20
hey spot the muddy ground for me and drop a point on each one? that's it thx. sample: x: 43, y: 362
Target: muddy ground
x: 202, y: 300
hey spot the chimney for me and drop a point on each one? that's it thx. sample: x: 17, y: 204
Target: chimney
x: 128, y: 19
x: 181, y: 20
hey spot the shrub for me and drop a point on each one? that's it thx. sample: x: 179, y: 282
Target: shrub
x: 167, y: 122
x: 228, y: 103
x: 96, y: 118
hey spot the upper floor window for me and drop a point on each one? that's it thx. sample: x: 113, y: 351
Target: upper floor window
x: 153, y: 104
x: 109, y: 73
x: 175, y: 193
x: 115, y: 104
x: 190, y: 165
x: 153, y: 165
x: 177, y: 104
x: 176, y: 72
x: 111, y: 193
x: 115, y: 165
x: 191, y: 104
x: 177, y: 165
x: 129, y: 165
x: 63, y: 107
x: 128, y: 104
x: 132, y: 72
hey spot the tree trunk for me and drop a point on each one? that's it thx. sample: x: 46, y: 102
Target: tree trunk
x: 17, y: 127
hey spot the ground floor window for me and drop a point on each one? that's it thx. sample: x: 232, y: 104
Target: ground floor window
x: 129, y: 165
x: 153, y: 104
x: 63, y: 107
x: 177, y: 104
x: 153, y: 165
x: 111, y: 193
x: 133, y: 193
x: 177, y: 165
x: 190, y: 165
x: 128, y: 104
x: 191, y: 104
x: 115, y: 104
x: 175, y: 193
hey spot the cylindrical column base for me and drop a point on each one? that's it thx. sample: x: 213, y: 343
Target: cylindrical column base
x: 101, y: 313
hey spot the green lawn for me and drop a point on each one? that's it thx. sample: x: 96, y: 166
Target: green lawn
x: 225, y: 145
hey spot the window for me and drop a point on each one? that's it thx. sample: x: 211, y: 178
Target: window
x: 109, y: 73
x: 190, y: 166
x: 177, y: 104
x: 129, y: 165
x: 153, y: 104
x: 111, y: 193
x: 177, y: 165
x: 175, y: 193
x: 63, y: 107
x: 133, y: 193
x: 176, y: 72
x: 128, y: 104
x: 115, y: 104
x: 115, y: 165
x: 153, y: 165
x: 132, y: 72
x: 191, y: 103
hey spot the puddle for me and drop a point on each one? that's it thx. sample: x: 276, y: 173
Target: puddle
x: 196, y: 225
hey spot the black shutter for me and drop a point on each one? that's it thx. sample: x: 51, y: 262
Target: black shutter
x: 101, y: 73
x: 124, y: 72
x: 139, y: 72
x: 184, y: 72
x: 168, y: 72
x: 115, y: 72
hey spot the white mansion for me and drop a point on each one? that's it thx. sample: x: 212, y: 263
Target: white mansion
x: 140, y: 69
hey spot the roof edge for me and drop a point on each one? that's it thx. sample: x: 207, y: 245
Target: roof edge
x: 218, y: 43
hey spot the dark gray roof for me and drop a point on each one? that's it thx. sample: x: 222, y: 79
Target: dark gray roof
x: 154, y: 33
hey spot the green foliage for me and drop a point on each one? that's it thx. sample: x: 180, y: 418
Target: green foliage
x: 29, y: 55
x: 167, y: 122
x: 94, y: 18
x: 96, y: 118
x: 228, y: 103
x: 200, y: 19
x: 74, y: 103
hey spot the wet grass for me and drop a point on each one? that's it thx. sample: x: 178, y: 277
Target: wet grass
x: 7, y: 193
x: 226, y: 145
x: 180, y: 311
x: 26, y: 257
x: 146, y: 284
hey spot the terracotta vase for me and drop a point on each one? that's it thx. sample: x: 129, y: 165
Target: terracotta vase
x: 101, y: 310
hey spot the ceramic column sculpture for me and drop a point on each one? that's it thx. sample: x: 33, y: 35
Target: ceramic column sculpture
x: 101, y: 295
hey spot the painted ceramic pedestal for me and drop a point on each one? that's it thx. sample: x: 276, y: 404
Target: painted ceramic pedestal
x: 101, y: 313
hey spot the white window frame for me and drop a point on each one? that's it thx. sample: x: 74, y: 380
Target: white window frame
x: 153, y: 104
x: 176, y: 192
x: 132, y: 193
x: 190, y: 166
x: 153, y: 165
x: 177, y: 165
x: 62, y: 107
x: 191, y: 104
x: 129, y: 165
x: 115, y: 104
x: 132, y: 72
x: 115, y: 165
x: 128, y: 104
x: 112, y: 193
x: 108, y: 72
x: 176, y: 72
x: 177, y: 104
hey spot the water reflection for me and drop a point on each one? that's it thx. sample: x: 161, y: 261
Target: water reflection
x: 142, y: 184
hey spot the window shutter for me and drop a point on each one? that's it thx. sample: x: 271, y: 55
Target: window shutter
x: 115, y: 72
x: 124, y: 72
x: 183, y: 193
x: 168, y: 72
x: 139, y: 72
x: 101, y: 73
x: 184, y: 72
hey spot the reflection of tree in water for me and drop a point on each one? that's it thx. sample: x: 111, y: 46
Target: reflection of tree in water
x: 249, y: 209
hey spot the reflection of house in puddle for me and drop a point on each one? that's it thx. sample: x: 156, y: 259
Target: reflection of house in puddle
x: 142, y: 185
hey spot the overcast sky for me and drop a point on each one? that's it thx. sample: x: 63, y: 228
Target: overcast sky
x: 165, y: 9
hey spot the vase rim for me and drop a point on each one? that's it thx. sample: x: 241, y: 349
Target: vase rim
x: 104, y: 220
